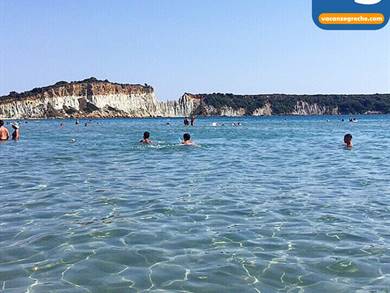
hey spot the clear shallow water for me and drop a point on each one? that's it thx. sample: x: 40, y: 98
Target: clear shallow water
x: 274, y: 205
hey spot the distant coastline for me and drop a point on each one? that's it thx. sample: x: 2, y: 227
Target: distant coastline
x: 93, y: 98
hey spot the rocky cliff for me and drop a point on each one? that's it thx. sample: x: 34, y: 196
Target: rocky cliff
x: 278, y: 104
x: 94, y: 98
x: 87, y: 98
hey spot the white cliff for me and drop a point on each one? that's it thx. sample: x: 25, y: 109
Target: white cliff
x: 304, y: 108
x: 89, y: 98
x: 92, y: 98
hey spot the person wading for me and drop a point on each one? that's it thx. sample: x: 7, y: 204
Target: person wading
x: 4, y: 134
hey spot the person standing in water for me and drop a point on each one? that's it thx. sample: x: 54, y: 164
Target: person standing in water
x: 4, y: 134
x: 187, y: 139
x: 192, y: 120
x: 16, y: 133
x: 186, y: 122
x: 146, y: 139
x: 348, y: 140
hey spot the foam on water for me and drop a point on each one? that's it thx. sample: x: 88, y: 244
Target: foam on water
x: 274, y: 204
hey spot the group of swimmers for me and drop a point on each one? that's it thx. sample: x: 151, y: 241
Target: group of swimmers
x: 186, y: 139
x: 4, y: 133
x: 354, y: 120
x: 188, y: 122
x: 235, y: 124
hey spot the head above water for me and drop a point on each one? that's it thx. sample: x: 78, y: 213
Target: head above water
x: 146, y: 135
x: 348, y: 138
x: 1, y: 123
x: 186, y: 137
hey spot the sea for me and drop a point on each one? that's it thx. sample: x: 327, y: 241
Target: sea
x: 259, y: 204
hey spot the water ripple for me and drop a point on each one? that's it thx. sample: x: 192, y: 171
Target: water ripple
x: 274, y: 205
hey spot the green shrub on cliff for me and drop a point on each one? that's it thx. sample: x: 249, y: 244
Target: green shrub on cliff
x: 285, y: 104
x: 249, y: 103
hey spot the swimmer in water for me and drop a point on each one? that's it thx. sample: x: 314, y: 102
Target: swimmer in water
x: 348, y: 140
x: 146, y: 139
x: 187, y: 139
x: 16, y: 133
x: 4, y: 134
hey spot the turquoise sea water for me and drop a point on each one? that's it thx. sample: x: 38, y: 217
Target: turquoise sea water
x: 277, y: 204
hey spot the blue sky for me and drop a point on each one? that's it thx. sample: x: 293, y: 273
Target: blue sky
x: 199, y: 46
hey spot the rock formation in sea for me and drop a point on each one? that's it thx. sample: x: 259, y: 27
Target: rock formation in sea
x: 92, y: 98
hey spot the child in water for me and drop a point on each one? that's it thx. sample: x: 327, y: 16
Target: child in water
x: 146, y: 139
x: 348, y: 140
x: 187, y: 139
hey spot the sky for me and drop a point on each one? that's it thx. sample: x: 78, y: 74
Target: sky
x: 196, y: 46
